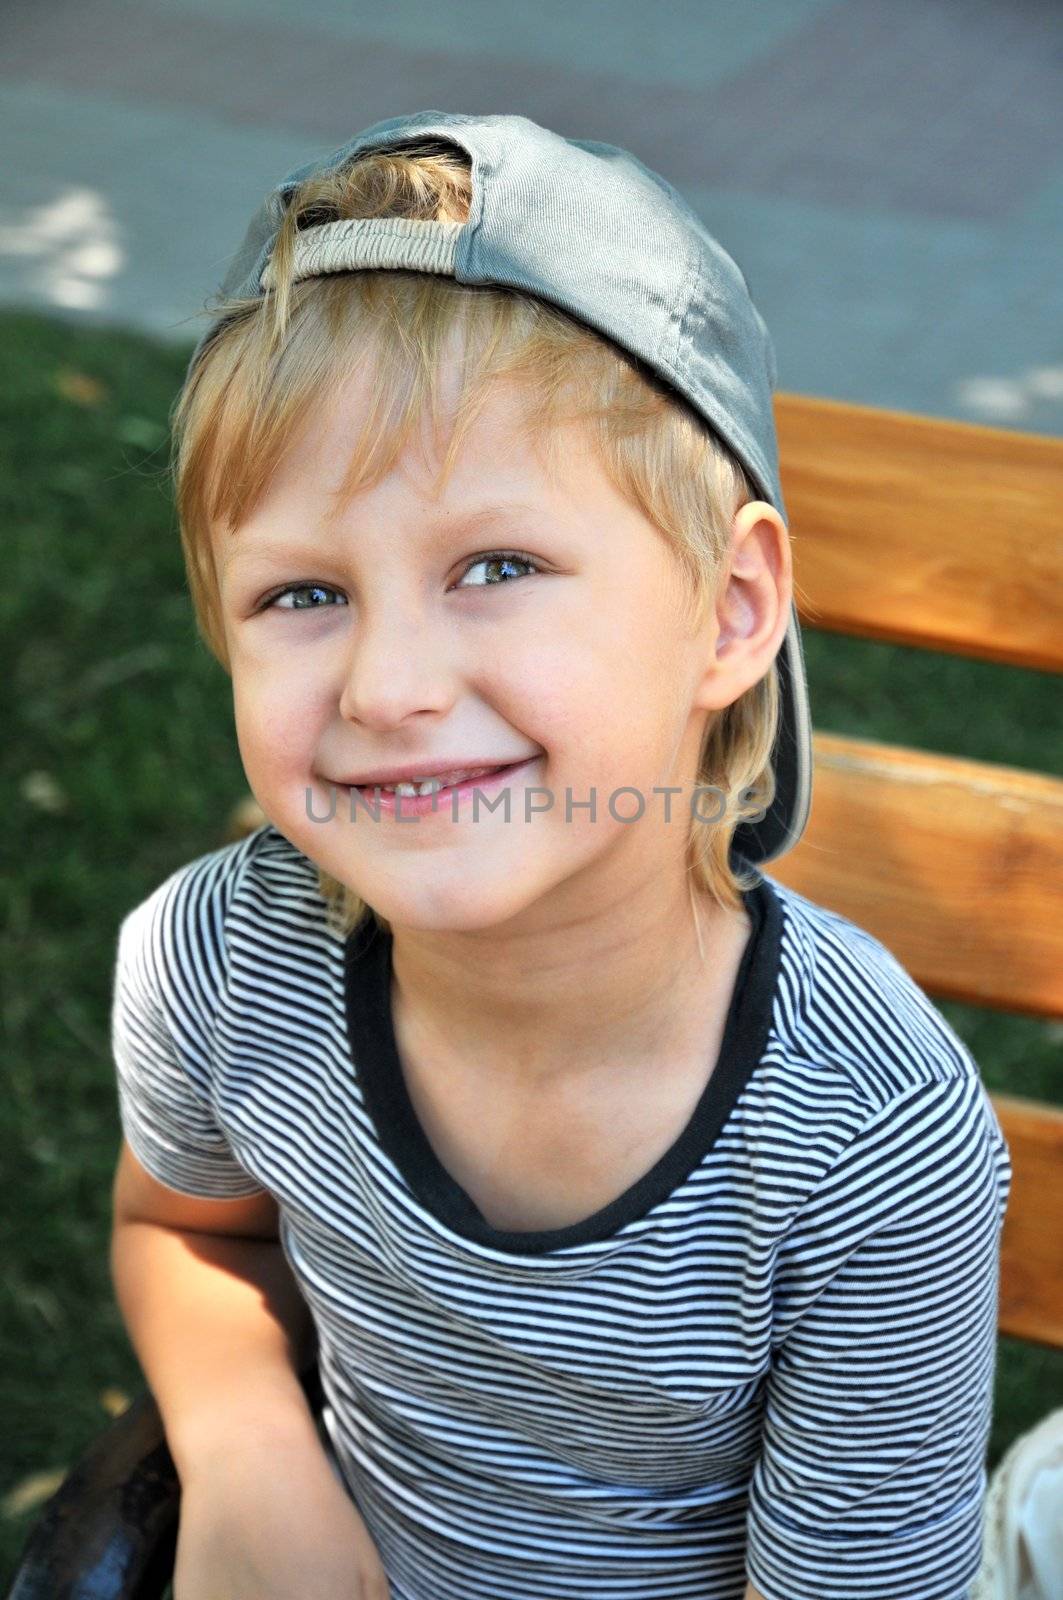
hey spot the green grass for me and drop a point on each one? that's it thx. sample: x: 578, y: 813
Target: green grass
x: 120, y: 763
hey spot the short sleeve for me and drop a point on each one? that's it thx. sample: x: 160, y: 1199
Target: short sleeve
x: 879, y: 1398
x: 168, y: 969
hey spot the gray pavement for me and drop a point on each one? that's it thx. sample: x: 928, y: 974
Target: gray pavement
x: 888, y: 173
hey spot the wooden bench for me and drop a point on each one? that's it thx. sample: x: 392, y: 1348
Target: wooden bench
x: 943, y: 536
x: 909, y: 530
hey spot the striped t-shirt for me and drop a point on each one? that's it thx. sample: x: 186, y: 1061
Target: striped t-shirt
x: 771, y: 1357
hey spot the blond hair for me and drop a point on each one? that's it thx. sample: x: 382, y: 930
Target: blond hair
x: 277, y: 362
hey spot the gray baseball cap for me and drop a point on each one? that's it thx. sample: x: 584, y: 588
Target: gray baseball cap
x: 585, y: 227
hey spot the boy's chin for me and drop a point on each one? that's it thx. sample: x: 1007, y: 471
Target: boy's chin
x: 452, y: 906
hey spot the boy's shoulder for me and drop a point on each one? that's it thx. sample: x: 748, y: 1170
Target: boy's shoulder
x: 864, y: 1089
x: 239, y: 880
x: 847, y: 1010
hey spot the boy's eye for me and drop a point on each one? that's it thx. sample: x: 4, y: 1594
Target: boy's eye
x: 504, y: 559
x: 300, y: 589
x: 498, y: 558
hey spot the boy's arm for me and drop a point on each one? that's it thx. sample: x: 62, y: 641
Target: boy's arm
x: 879, y: 1398
x: 214, y: 1315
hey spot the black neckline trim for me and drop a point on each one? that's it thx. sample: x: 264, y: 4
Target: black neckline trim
x: 378, y: 1071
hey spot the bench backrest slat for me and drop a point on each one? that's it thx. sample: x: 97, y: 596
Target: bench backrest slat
x: 925, y: 532
x: 1031, y: 1265
x: 956, y: 865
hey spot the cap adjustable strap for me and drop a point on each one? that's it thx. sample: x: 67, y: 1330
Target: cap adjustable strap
x: 395, y: 242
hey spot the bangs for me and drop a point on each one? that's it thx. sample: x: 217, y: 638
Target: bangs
x: 430, y: 352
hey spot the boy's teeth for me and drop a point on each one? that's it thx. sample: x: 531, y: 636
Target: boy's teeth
x: 429, y: 785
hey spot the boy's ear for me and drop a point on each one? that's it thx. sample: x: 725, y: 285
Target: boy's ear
x: 752, y: 607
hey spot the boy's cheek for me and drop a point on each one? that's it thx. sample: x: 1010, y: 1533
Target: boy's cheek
x: 277, y: 738
x: 266, y: 704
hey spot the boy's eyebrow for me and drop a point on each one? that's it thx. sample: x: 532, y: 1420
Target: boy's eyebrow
x: 305, y: 549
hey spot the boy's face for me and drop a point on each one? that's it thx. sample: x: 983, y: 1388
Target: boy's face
x: 406, y: 644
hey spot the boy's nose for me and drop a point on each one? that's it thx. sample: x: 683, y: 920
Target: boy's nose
x: 394, y: 671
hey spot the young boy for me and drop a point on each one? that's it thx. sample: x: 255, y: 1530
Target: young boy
x: 644, y: 1215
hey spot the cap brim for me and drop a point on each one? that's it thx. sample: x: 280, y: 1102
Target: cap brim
x: 782, y: 825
